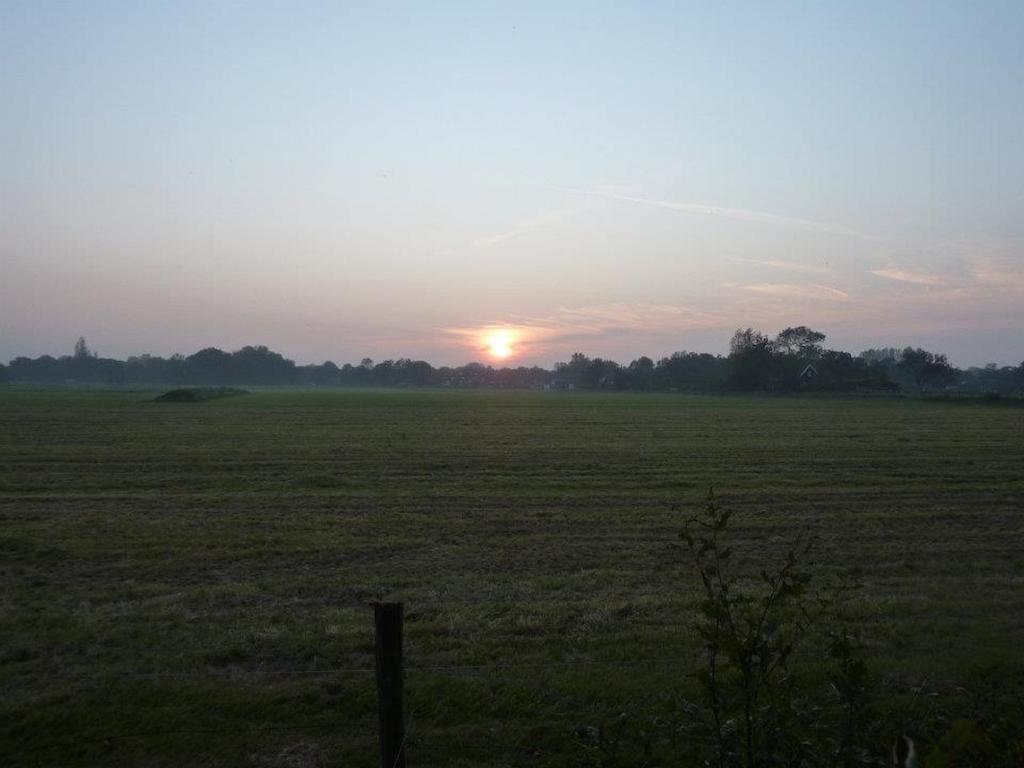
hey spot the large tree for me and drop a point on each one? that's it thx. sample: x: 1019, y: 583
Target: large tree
x: 801, y: 341
x: 641, y: 372
x: 925, y: 368
x: 750, y: 360
x: 82, y: 351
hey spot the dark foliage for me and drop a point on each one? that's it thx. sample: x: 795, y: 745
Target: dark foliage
x: 927, y: 369
x: 752, y: 625
x: 198, y: 394
x: 758, y: 626
x: 794, y: 361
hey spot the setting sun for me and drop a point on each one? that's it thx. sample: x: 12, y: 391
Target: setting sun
x: 499, y: 344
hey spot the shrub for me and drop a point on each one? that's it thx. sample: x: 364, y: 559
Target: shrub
x: 198, y: 394
x: 756, y: 711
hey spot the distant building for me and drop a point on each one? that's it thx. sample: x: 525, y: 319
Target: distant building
x: 560, y: 384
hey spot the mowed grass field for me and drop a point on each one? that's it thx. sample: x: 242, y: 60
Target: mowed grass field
x: 189, y: 583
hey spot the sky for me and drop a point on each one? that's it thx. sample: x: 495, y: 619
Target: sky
x: 348, y: 180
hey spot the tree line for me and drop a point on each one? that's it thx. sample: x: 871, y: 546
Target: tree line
x: 794, y: 360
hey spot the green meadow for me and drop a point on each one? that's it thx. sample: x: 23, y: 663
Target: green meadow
x: 189, y: 583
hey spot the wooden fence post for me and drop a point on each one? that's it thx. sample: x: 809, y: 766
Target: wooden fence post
x: 387, y: 619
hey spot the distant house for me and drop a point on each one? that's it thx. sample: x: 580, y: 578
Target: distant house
x: 559, y: 384
x: 808, y: 374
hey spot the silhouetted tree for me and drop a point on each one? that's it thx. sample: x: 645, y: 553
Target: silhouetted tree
x: 791, y: 351
x: 575, y: 370
x: 925, y: 368
x: 258, y: 365
x: 328, y: 374
x: 641, y: 372
x: 691, y: 371
x: 209, y: 366
x: 800, y: 341
x: 750, y: 360
x: 886, y: 356
x: 993, y: 380
x: 82, y: 351
x: 755, y: 362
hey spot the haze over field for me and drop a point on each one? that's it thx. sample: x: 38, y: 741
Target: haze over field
x: 510, y: 183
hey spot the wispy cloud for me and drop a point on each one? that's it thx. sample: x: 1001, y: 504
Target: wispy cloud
x: 909, y: 276
x: 527, y: 225
x: 799, y: 291
x: 487, y: 242
x: 641, y: 315
x: 737, y: 214
x: 1000, y: 275
x: 781, y: 264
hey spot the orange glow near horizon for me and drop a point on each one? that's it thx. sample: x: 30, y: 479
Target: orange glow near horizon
x: 498, y: 343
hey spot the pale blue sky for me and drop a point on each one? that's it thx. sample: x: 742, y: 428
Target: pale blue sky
x: 621, y: 178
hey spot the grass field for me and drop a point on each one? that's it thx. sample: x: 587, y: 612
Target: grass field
x: 187, y: 583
